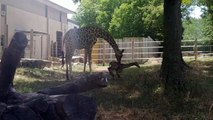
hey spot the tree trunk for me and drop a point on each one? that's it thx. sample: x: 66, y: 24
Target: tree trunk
x: 173, y: 67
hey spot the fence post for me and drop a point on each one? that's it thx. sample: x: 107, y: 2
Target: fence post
x: 49, y: 47
x: 195, y: 49
x: 104, y: 52
x: 41, y: 46
x: 133, y: 49
x: 31, y: 43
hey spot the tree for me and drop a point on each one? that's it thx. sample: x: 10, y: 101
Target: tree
x: 153, y: 19
x: 138, y: 18
x: 105, y: 11
x: 124, y: 18
x: 87, y: 13
x: 208, y: 16
x: 127, y: 21
x: 193, y: 28
x: 173, y: 67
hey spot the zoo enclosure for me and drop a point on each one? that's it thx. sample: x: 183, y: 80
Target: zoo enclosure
x: 140, y: 49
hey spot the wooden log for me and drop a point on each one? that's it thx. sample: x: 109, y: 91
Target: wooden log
x: 38, y: 104
x: 56, y: 107
x: 3, y: 107
x: 78, y: 107
x: 9, y: 116
x: 9, y: 62
x: 22, y: 112
x: 81, y: 84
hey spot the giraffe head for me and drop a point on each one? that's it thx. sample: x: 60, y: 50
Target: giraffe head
x: 119, y: 55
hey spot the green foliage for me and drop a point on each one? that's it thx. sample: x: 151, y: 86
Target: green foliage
x: 123, y: 18
x: 105, y: 11
x: 207, y: 6
x: 87, y: 13
x: 127, y: 21
x: 193, y: 28
x: 200, y: 28
x: 153, y: 19
x: 38, y: 73
x: 31, y: 80
x: 126, y: 18
x: 138, y: 18
x: 208, y: 29
x: 187, y: 2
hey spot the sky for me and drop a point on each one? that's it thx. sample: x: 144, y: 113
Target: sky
x: 66, y: 3
x: 196, y: 12
x: 72, y: 6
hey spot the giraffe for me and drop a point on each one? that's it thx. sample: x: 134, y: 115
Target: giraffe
x: 85, y: 38
x: 118, y: 67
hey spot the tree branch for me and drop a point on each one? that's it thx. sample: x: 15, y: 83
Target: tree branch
x: 81, y: 84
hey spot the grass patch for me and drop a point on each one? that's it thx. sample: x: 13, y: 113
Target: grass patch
x: 137, y: 94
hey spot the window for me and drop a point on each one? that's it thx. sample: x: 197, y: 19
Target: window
x: 46, y: 11
x: 3, y: 9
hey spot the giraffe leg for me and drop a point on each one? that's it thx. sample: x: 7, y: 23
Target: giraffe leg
x: 67, y: 68
x: 70, y: 66
x: 110, y: 69
x: 85, y: 59
x: 90, y: 60
x: 118, y: 75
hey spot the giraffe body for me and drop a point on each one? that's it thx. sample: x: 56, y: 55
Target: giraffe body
x: 85, y: 38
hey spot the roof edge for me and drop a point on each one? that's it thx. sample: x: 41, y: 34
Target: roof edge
x: 56, y: 6
x: 72, y: 21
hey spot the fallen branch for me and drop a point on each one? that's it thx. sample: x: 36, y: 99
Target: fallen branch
x: 81, y: 84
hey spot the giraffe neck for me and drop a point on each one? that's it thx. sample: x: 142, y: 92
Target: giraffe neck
x: 112, y: 43
x: 100, y: 33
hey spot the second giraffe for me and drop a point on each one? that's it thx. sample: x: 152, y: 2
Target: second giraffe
x: 85, y: 38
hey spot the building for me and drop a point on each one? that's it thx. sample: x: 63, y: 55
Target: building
x: 43, y: 22
x: 72, y: 24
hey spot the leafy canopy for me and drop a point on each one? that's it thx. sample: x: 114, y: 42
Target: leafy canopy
x: 134, y: 18
x: 123, y: 18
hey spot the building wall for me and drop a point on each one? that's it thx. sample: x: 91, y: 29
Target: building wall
x: 53, y: 14
x: 24, y: 21
x: 31, y: 6
x: 34, y: 15
x: 71, y: 25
